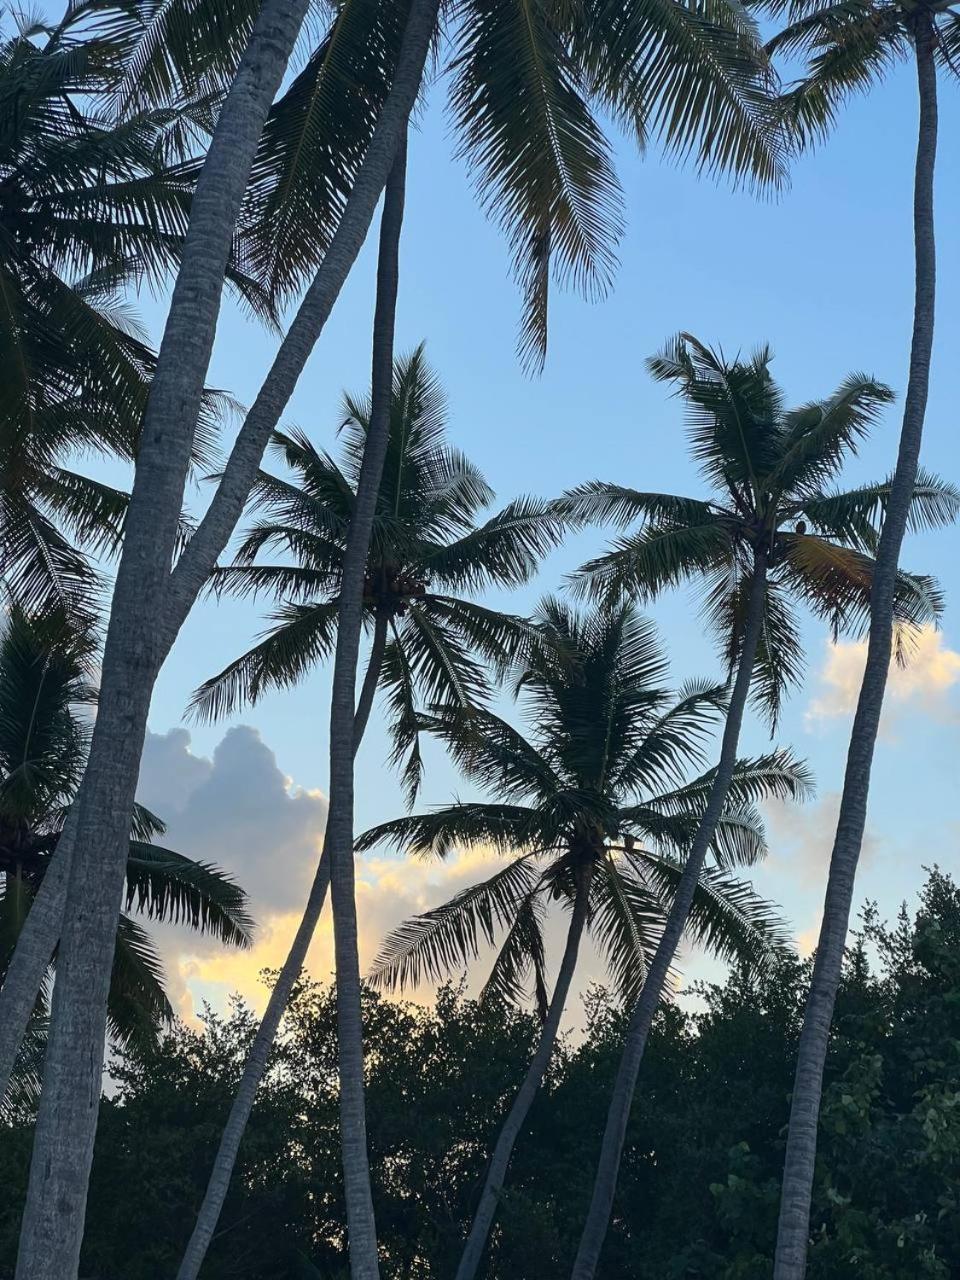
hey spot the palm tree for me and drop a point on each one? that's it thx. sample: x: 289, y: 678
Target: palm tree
x: 527, y: 82
x: 429, y: 641
x: 850, y: 49
x: 716, y: 108
x: 771, y: 536
x: 87, y: 203
x: 44, y: 737
x: 595, y: 809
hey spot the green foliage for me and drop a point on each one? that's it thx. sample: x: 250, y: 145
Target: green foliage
x: 600, y: 787
x: 44, y: 735
x: 698, y: 1192
x: 771, y: 472
x: 90, y: 204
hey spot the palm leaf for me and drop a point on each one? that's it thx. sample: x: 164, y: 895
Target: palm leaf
x: 439, y: 942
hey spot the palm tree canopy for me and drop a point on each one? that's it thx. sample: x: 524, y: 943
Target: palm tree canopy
x: 430, y: 551
x: 90, y: 201
x: 848, y: 49
x: 602, y: 778
x: 527, y: 83
x: 772, y: 472
x: 44, y: 735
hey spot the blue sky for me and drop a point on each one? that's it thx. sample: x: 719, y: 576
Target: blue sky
x: 824, y: 274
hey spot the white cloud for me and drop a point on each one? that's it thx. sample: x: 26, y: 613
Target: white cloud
x: 237, y: 809
x: 926, y: 684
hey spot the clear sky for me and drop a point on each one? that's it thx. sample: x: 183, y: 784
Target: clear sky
x: 824, y: 275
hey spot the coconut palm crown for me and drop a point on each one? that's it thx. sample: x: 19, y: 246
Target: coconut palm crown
x: 90, y: 202
x: 851, y: 48
x: 44, y: 737
x: 598, y: 795
x: 428, y: 555
x: 772, y: 471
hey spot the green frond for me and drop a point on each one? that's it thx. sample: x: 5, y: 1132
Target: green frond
x: 856, y: 516
x: 313, y: 143
x: 597, y: 502
x: 505, y: 550
x: 164, y: 885
x: 727, y: 917
x: 302, y: 637
x: 626, y: 921
x: 450, y: 938
x: 675, y: 741
x: 731, y: 408
x: 693, y: 75
x: 137, y: 1005
x: 505, y: 827
x: 522, y: 950
x: 660, y: 556
x: 542, y: 167
x: 820, y: 435
x: 849, y: 48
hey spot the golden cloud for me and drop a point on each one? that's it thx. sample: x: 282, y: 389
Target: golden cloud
x: 924, y: 684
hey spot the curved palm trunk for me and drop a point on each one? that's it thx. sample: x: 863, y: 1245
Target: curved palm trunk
x: 151, y: 617
x: 52, y: 1225
x: 256, y: 1063
x: 171, y: 414
x: 618, y: 1115
x: 497, y: 1170
x: 794, y: 1225
x: 361, y: 1225
x: 149, y: 606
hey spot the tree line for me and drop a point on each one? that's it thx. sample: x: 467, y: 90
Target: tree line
x: 699, y: 1187
x: 170, y: 144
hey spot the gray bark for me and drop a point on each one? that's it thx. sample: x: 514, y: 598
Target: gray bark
x: 42, y: 928
x: 497, y: 1170
x: 170, y: 420
x: 361, y: 1224
x: 618, y: 1115
x: 256, y: 1063
x: 794, y: 1224
x: 52, y: 1225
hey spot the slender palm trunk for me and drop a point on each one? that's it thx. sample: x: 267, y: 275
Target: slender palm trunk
x: 361, y: 1225
x: 256, y: 1063
x: 618, y: 1115
x: 52, y: 1225
x: 497, y: 1170
x: 172, y: 412
x: 794, y: 1225
x: 160, y: 615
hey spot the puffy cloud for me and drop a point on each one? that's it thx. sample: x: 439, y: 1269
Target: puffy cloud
x: 801, y: 839
x: 924, y: 684
x: 239, y: 811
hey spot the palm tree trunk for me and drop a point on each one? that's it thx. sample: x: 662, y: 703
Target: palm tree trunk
x: 497, y: 1170
x: 618, y: 1115
x: 256, y: 1063
x: 52, y: 1225
x: 361, y: 1225
x: 794, y: 1225
x: 162, y: 622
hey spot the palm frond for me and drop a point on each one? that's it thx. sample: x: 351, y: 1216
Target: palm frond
x: 450, y: 938
x: 164, y: 885
x: 542, y: 166
x: 304, y: 635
